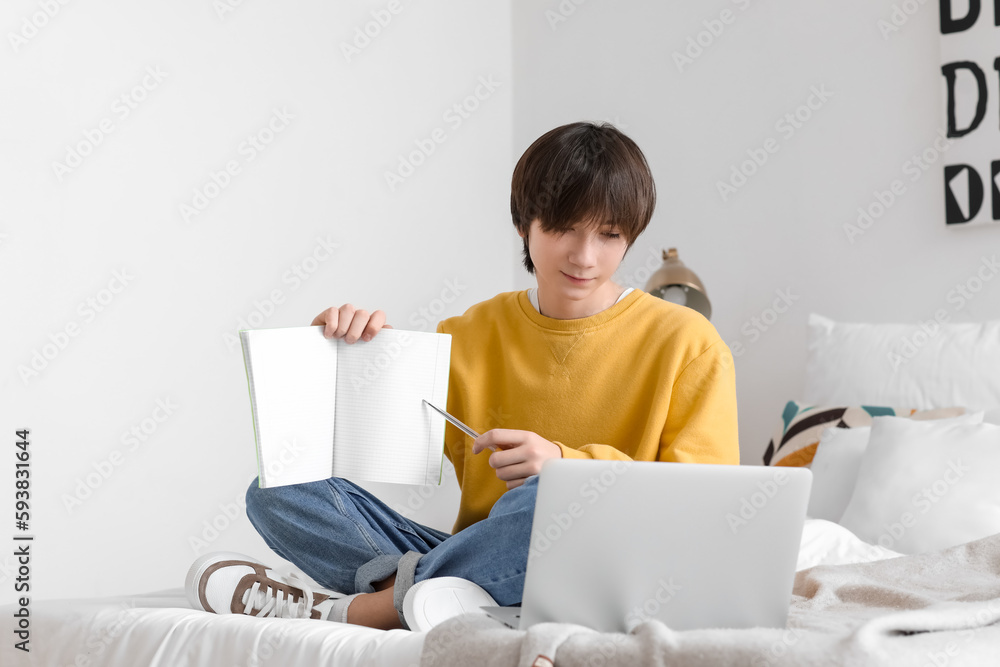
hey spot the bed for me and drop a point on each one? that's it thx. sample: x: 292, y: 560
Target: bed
x: 867, y: 591
x: 162, y: 629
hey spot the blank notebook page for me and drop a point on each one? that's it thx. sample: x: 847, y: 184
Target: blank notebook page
x: 294, y: 389
x: 384, y: 431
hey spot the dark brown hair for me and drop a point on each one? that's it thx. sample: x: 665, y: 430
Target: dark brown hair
x: 582, y: 173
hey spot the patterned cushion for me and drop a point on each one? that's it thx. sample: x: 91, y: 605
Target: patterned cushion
x: 795, y: 440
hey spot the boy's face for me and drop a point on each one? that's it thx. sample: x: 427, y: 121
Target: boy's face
x: 585, y: 251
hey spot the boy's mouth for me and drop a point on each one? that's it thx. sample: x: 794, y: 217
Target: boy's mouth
x: 576, y: 281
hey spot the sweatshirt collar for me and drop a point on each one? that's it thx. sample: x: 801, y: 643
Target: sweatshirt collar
x: 581, y: 323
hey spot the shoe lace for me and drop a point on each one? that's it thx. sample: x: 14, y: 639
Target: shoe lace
x: 268, y: 599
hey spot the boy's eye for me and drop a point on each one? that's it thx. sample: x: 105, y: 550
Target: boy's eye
x: 609, y: 235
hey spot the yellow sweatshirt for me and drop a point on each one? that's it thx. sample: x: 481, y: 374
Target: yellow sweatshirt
x: 645, y: 379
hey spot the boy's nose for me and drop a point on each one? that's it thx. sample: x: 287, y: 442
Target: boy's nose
x: 584, y: 252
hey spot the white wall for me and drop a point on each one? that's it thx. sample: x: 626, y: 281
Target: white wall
x: 162, y: 335
x: 783, y: 231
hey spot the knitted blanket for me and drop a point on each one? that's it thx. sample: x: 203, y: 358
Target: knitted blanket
x: 939, y: 609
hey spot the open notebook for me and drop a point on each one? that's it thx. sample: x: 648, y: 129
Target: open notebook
x: 325, y: 408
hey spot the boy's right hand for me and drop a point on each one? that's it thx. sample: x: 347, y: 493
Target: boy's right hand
x: 350, y: 324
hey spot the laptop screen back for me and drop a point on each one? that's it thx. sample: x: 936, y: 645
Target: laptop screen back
x: 615, y: 543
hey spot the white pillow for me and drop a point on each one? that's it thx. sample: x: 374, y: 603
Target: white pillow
x: 926, y: 365
x: 837, y: 461
x: 835, y: 468
x: 926, y: 485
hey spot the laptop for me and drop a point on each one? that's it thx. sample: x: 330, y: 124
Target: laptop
x: 616, y: 543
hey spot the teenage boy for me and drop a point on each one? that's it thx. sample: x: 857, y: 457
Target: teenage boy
x: 578, y: 367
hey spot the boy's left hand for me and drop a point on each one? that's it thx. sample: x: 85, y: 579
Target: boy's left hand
x: 519, y: 454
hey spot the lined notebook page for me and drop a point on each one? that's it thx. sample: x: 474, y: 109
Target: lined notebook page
x: 384, y: 432
x: 293, y: 390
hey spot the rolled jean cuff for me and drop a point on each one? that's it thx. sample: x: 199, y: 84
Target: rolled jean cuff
x: 376, y: 569
x: 405, y: 572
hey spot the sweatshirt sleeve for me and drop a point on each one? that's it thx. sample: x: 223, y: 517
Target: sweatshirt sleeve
x: 701, y: 424
x: 702, y: 418
x: 602, y: 452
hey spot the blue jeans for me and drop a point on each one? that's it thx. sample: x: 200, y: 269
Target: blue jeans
x: 346, y: 539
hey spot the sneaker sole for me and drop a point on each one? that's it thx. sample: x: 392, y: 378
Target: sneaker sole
x: 434, y: 601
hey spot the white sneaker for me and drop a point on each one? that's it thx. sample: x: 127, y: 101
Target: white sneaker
x: 225, y: 582
x: 434, y: 601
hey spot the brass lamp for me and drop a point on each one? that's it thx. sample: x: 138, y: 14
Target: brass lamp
x: 677, y: 283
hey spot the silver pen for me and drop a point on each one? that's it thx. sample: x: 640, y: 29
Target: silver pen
x: 458, y: 424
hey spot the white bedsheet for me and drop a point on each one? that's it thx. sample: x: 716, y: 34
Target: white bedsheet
x: 828, y: 543
x: 162, y: 630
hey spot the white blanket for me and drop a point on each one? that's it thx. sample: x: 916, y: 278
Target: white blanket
x: 937, y: 609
